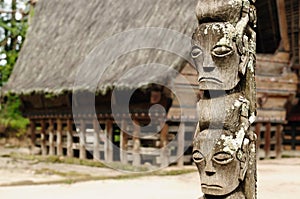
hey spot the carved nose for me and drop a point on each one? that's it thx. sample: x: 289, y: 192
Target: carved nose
x: 209, y: 169
x: 208, y: 69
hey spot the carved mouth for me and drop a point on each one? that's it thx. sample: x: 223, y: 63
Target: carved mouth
x: 210, y: 79
x: 206, y: 186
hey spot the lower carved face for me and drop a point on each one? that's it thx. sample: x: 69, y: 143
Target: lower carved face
x: 219, y: 168
x: 216, y: 57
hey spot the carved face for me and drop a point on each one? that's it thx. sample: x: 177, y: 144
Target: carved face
x: 219, y: 10
x: 216, y: 57
x: 220, y: 162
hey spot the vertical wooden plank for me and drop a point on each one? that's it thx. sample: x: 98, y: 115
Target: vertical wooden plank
x: 123, y: 143
x: 43, y: 138
x: 69, y: 139
x: 32, y: 134
x: 51, y: 138
x: 96, y: 150
x: 136, y: 144
x: 164, y: 153
x: 59, y: 148
x: 257, y: 131
x: 108, y: 142
x: 180, y: 149
x: 279, y: 128
x: 267, y: 140
x: 82, y: 140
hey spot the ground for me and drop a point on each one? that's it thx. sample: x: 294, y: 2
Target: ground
x: 276, y: 179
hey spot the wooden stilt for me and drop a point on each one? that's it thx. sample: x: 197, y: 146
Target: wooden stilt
x: 96, y: 153
x: 136, y: 145
x: 59, y: 148
x: 43, y: 138
x: 267, y: 140
x: 180, y: 149
x: 279, y: 128
x: 69, y: 139
x: 82, y: 141
x: 51, y: 138
x: 108, y: 142
x: 164, y: 155
x: 123, y: 143
x: 32, y: 134
x: 257, y: 131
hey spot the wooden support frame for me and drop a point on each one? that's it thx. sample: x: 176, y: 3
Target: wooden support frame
x: 82, y: 140
x: 164, y: 152
x: 51, y: 138
x: 96, y: 149
x: 136, y: 144
x: 59, y: 146
x: 123, y: 143
x: 32, y: 134
x: 69, y: 139
x: 278, y: 149
x: 43, y: 138
x: 267, y: 140
x: 108, y: 151
x: 180, y: 149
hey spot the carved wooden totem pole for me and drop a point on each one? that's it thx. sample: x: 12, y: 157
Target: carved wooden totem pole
x: 223, y: 50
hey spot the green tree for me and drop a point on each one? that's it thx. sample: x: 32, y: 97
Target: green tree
x: 14, y: 16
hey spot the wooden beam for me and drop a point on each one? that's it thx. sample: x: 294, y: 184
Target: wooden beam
x: 108, y: 142
x: 59, y: 148
x: 82, y: 140
x: 164, y: 156
x: 51, y: 138
x: 123, y: 143
x: 136, y: 144
x: 43, y: 138
x: 267, y: 146
x: 69, y: 138
x: 180, y: 148
x: 96, y: 152
x: 285, y: 44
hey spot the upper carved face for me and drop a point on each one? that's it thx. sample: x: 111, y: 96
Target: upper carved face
x: 216, y: 56
x: 220, y: 162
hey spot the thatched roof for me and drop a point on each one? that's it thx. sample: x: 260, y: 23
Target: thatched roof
x: 66, y: 35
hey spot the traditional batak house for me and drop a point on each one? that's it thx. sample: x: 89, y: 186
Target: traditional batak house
x: 63, y: 33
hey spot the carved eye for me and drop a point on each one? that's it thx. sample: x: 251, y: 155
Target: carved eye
x: 196, y: 52
x: 222, y: 158
x: 222, y: 51
x: 197, y: 156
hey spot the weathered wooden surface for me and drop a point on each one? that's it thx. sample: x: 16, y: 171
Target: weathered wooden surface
x: 223, y: 50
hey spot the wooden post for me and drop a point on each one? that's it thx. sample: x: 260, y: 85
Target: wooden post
x: 223, y: 52
x: 108, y: 142
x: 96, y: 152
x: 69, y: 138
x: 32, y: 134
x: 59, y: 148
x: 82, y: 140
x: 123, y: 143
x: 279, y: 128
x: 257, y: 131
x: 180, y: 148
x: 164, y: 153
x: 267, y: 140
x: 51, y: 138
x: 43, y: 138
x: 136, y: 144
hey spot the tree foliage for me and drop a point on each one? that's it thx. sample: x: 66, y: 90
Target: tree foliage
x: 14, y: 16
